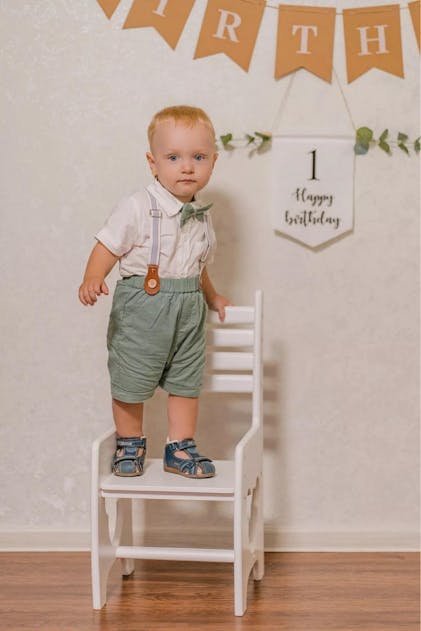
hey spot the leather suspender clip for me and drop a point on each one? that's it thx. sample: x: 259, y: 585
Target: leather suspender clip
x: 152, y: 283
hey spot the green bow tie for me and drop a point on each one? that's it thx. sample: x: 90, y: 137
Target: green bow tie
x: 188, y: 211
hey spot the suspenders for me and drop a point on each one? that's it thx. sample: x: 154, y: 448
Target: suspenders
x: 152, y: 283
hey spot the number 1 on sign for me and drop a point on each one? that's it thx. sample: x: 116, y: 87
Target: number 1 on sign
x: 313, y: 177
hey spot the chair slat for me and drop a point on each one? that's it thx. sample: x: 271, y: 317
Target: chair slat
x: 233, y: 315
x: 228, y: 383
x: 219, y: 360
x: 230, y: 337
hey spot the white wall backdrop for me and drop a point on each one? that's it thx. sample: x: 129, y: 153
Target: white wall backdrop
x: 341, y: 324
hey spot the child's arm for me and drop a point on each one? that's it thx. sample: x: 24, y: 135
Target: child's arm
x: 100, y: 264
x: 215, y: 301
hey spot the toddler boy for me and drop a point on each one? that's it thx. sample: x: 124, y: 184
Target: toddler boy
x: 162, y: 237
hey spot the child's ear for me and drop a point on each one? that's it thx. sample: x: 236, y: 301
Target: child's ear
x: 215, y: 157
x: 151, y: 161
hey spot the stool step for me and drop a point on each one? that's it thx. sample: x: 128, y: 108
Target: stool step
x: 157, y: 483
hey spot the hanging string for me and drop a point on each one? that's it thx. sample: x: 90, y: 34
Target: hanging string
x: 345, y: 99
x: 281, y: 107
x: 374, y: 6
x: 280, y: 111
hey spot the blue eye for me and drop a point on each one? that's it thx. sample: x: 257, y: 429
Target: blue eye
x: 199, y: 157
x: 172, y: 158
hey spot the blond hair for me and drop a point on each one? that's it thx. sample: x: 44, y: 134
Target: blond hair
x: 186, y: 114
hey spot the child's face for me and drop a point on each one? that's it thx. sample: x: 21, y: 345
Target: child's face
x: 182, y: 157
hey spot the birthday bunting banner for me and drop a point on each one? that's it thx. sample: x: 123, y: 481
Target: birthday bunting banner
x: 305, y: 38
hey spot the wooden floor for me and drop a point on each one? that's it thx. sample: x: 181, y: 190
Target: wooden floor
x: 300, y: 592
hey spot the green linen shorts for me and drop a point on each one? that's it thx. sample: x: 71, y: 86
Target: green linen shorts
x: 156, y: 340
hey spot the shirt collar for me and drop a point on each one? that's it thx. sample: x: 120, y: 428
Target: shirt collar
x: 169, y: 204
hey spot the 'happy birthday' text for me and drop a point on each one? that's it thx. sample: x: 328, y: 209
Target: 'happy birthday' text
x: 314, y: 199
x: 311, y: 218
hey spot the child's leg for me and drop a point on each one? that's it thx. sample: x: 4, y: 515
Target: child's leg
x: 182, y: 417
x: 128, y: 418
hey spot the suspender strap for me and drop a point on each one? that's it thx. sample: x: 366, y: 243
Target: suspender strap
x: 155, y: 214
x: 206, y: 226
x: 152, y: 282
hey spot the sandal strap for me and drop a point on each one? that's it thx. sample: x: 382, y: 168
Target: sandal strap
x: 187, y: 444
x: 135, y: 441
x: 129, y: 453
x: 191, y: 466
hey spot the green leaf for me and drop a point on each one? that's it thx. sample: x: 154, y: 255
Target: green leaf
x: 403, y: 147
x: 417, y: 146
x: 361, y: 148
x: 264, y: 137
x: 384, y: 135
x: 364, y: 135
x: 383, y: 145
x: 402, y: 137
x: 250, y: 139
x: 225, y: 139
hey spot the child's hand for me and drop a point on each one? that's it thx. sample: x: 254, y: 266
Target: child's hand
x: 90, y: 289
x: 218, y: 303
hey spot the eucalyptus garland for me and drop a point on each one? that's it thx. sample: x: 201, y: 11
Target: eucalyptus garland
x: 364, y: 140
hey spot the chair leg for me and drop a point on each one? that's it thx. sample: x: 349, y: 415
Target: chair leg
x: 242, y: 556
x: 240, y: 587
x: 124, y: 508
x: 248, y: 544
x: 257, y: 527
x: 102, y: 553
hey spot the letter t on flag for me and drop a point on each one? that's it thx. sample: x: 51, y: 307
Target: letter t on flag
x: 305, y: 40
x: 168, y: 17
x: 230, y: 27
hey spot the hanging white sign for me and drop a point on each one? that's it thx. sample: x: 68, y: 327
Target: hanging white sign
x: 313, y: 187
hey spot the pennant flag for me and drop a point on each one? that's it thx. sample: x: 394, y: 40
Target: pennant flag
x: 108, y: 6
x: 373, y: 40
x: 230, y: 27
x: 168, y: 17
x: 305, y: 40
x: 414, y: 9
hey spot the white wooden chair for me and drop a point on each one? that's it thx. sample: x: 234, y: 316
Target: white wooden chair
x: 236, y: 368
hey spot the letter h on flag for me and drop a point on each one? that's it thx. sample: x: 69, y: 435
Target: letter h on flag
x: 373, y: 40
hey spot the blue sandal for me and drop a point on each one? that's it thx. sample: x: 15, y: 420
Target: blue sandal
x: 196, y: 466
x: 129, y: 456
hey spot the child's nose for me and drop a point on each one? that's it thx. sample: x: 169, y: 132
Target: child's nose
x: 188, y: 166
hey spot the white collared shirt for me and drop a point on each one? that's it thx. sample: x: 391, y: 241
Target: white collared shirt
x: 127, y: 234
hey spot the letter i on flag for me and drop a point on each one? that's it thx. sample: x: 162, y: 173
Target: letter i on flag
x: 168, y: 17
x: 373, y: 40
x: 230, y: 27
x: 414, y: 9
x: 108, y: 6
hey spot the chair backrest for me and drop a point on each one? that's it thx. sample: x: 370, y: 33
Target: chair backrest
x: 234, y: 353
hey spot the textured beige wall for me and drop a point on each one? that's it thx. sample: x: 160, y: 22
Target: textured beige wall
x: 341, y: 324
